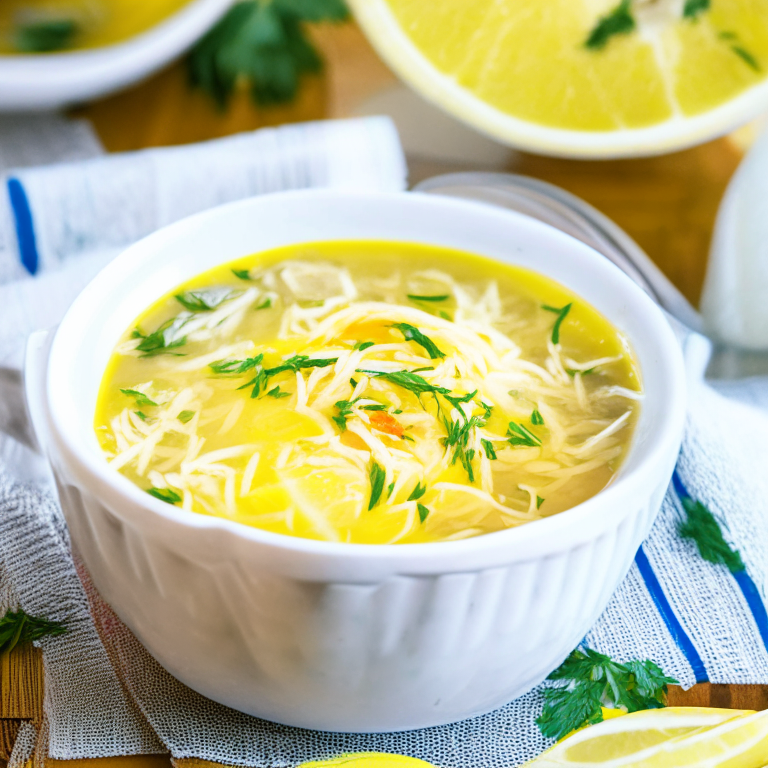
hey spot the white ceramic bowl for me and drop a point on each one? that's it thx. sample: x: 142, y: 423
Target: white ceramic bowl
x: 351, y: 637
x: 55, y: 80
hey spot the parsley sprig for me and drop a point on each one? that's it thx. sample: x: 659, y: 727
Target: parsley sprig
x: 205, y: 300
x: 412, y: 333
x: 702, y: 528
x: 562, y: 313
x: 592, y: 681
x: 262, y: 43
x: 18, y: 628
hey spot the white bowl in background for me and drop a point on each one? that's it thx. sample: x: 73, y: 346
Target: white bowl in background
x: 33, y: 82
x: 350, y: 637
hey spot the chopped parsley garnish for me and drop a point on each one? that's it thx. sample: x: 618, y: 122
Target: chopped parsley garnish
x: 377, y: 476
x: 561, y: 313
x: 619, y: 21
x: 205, y: 300
x: 361, y: 345
x: 518, y: 434
x: 45, y: 36
x: 417, y: 492
x: 165, y: 494
x: 572, y: 371
x: 539, y: 502
x: 165, y: 339
x: 593, y: 681
x: 19, y: 628
x: 390, y: 488
x: 277, y: 394
x: 265, y: 304
x: 417, y: 297
x: 353, y: 383
x: 345, y: 410
x: 407, y: 380
x: 536, y: 418
x: 139, y: 397
x: 694, y: 8
x: 411, y: 333
x: 243, y: 274
x: 142, y: 416
x: 747, y: 57
x: 186, y: 416
x: 423, y: 512
x: 374, y: 407
x: 298, y: 362
x: 490, y: 451
x: 236, y: 366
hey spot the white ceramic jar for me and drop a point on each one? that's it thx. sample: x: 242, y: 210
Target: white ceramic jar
x: 349, y: 637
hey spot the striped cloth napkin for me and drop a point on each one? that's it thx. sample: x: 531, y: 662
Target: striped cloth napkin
x: 697, y: 611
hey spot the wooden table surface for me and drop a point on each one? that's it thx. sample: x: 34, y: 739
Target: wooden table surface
x: 667, y: 204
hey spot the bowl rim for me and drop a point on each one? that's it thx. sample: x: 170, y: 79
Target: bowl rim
x: 580, y: 521
x: 38, y: 81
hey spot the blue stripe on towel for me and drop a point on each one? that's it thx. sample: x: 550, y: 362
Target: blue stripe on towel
x: 670, y: 619
x: 25, y: 230
x: 743, y: 579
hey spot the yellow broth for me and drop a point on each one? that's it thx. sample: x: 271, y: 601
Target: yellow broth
x: 96, y: 22
x: 370, y: 392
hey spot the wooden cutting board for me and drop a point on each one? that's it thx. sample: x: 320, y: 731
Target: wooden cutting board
x: 668, y: 204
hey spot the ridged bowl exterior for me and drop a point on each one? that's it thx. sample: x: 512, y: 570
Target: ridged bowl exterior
x: 407, y: 651
x: 347, y: 637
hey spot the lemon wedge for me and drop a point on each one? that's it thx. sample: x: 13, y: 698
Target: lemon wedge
x: 582, y: 78
x: 676, y: 737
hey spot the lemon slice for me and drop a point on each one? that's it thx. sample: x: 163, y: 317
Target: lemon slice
x: 676, y: 737
x: 582, y: 78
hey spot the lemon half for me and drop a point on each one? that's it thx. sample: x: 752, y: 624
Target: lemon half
x: 525, y: 72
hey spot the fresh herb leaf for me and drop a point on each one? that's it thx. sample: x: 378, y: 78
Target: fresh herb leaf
x: 345, y: 410
x: 416, y: 297
x: 19, y: 628
x: 423, y: 512
x: 374, y: 407
x: 142, y: 416
x: 186, y: 416
x: 619, y: 21
x: 377, y: 476
x: 205, y: 300
x: 408, y: 380
x: 702, y: 528
x: 277, y: 394
x: 243, y: 274
x: 539, y: 502
x: 561, y: 313
x: 390, y: 488
x: 456, y: 401
x: 263, y: 44
x: 236, y: 366
x: 572, y: 371
x: 747, y: 57
x: 490, y: 451
x: 299, y: 362
x: 594, y: 680
x: 265, y: 304
x: 166, y: 338
x: 518, y: 434
x: 353, y: 383
x: 165, y: 494
x: 45, y: 36
x: 694, y: 8
x: 361, y: 345
x: 411, y: 333
x: 139, y: 397
x: 444, y: 315
x: 417, y: 492
x: 536, y: 418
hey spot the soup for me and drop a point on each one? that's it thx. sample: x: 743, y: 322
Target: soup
x: 370, y: 392
x: 40, y: 26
